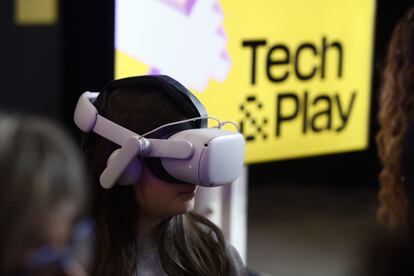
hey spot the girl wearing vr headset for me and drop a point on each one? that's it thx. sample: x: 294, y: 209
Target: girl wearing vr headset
x: 148, y: 228
x: 43, y: 190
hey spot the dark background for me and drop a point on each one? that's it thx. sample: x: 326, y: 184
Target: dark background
x: 43, y: 70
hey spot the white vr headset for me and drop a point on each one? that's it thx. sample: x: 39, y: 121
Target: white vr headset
x: 202, y: 156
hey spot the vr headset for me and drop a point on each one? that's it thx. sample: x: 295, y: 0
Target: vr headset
x: 202, y: 156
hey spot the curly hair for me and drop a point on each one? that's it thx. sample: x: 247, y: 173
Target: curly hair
x: 396, y: 110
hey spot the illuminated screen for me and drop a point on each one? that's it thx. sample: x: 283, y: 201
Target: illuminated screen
x: 294, y: 74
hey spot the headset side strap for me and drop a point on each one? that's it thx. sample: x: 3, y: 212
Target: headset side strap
x: 112, y: 131
x: 125, y: 155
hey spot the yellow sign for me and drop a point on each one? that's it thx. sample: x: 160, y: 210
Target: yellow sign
x: 295, y: 74
x: 35, y: 12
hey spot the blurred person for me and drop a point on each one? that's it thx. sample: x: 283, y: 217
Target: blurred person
x: 396, y: 113
x: 43, y: 190
x: 147, y: 228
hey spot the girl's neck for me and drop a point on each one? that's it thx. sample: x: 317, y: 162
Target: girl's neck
x: 147, y: 225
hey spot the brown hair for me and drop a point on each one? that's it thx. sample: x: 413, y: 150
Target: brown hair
x: 40, y: 168
x: 395, y: 113
x: 185, y: 246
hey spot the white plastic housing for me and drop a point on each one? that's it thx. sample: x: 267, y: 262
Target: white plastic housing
x: 207, y: 157
x: 119, y: 161
x: 217, y: 159
x: 85, y: 112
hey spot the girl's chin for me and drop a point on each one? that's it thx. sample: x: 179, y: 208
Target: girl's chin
x: 186, y: 207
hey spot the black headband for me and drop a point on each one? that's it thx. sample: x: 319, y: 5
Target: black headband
x: 176, y: 93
